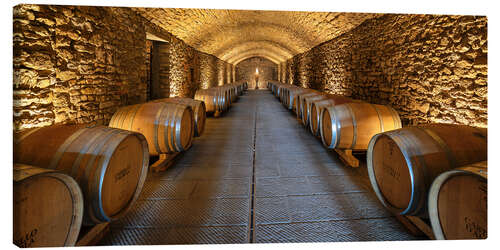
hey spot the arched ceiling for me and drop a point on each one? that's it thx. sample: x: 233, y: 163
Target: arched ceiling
x: 235, y: 35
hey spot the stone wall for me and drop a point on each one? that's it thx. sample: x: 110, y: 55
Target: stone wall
x: 245, y: 70
x: 77, y: 64
x: 430, y: 68
x: 208, y: 68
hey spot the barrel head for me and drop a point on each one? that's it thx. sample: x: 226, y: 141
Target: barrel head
x: 391, y: 172
x: 462, y: 207
x: 45, y: 211
x: 122, y: 176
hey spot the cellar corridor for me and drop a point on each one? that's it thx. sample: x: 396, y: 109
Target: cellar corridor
x: 256, y: 176
x: 158, y: 125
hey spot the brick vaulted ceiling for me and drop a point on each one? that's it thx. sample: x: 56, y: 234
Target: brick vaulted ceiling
x: 235, y: 35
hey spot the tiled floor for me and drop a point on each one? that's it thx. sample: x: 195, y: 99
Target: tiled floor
x: 290, y: 189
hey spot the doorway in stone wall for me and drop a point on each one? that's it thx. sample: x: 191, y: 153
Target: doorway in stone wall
x: 153, y: 69
x: 157, y: 67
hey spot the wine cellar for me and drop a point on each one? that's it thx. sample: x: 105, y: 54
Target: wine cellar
x: 159, y: 126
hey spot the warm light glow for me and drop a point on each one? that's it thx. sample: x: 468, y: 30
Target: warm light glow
x: 257, y: 71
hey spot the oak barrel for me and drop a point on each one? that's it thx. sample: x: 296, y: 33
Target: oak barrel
x: 352, y: 125
x: 110, y: 165
x: 295, y: 96
x: 458, y: 202
x: 282, y: 94
x: 286, y: 97
x: 215, y: 100
x: 306, y: 107
x: 48, y: 208
x: 403, y: 163
x: 233, y: 92
x: 318, y: 106
x: 299, y: 103
x: 199, y: 111
x: 168, y: 127
x: 228, y: 93
x: 278, y: 90
x: 292, y: 92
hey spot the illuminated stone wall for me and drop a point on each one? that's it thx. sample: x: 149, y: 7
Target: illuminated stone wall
x: 246, y: 69
x: 235, y: 35
x: 77, y: 64
x: 208, y: 68
x: 430, y: 68
x: 80, y: 64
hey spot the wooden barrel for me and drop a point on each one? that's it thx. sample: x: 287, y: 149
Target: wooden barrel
x: 283, y: 93
x: 275, y: 88
x: 227, y: 99
x: 229, y: 95
x: 300, y: 100
x: 225, y: 96
x: 239, y: 87
x: 306, y: 108
x: 458, y: 203
x: 352, y: 125
x: 272, y: 87
x: 199, y: 111
x: 214, y: 99
x: 168, y: 127
x: 278, y: 90
x: 110, y: 165
x: 318, y: 106
x: 289, y: 95
x: 234, y: 93
x: 209, y: 100
x: 403, y: 163
x: 294, y: 97
x: 286, y: 95
x: 48, y: 208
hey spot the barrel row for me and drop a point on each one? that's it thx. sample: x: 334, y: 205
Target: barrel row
x: 107, y: 165
x: 219, y: 99
x: 83, y: 174
x: 434, y: 171
x: 340, y: 122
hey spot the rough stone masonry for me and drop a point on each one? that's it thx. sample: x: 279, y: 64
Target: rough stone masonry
x: 77, y: 64
x: 430, y: 68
